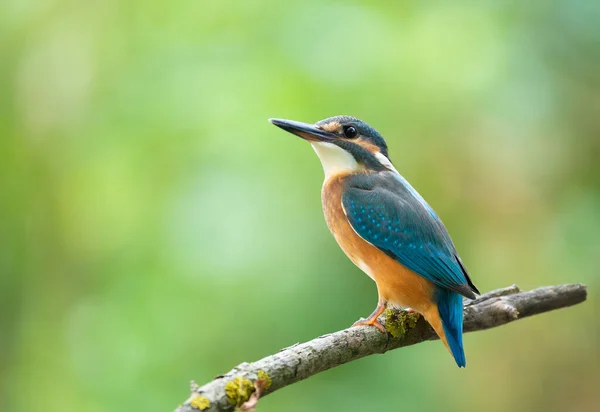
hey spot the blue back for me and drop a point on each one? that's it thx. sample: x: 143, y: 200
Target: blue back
x: 388, y: 213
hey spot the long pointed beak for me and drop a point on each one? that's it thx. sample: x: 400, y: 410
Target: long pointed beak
x: 304, y: 130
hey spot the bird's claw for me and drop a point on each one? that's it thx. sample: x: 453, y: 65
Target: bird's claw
x: 373, y: 322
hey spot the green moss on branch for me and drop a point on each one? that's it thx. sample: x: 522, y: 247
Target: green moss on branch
x: 398, y: 322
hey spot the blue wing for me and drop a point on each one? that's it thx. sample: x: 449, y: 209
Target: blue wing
x: 388, y: 213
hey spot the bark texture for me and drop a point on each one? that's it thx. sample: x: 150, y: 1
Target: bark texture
x: 301, y: 361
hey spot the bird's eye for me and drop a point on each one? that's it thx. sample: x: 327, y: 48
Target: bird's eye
x: 350, y: 132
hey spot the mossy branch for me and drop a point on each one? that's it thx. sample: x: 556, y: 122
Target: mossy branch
x: 301, y: 361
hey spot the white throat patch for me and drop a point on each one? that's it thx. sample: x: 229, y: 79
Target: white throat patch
x: 335, y: 159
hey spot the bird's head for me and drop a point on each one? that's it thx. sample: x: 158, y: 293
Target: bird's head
x: 344, y: 144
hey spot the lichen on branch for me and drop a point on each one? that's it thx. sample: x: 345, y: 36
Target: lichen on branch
x: 242, y: 387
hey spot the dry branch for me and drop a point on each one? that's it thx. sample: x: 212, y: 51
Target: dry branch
x: 301, y: 361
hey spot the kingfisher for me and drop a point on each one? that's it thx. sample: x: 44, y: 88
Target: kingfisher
x: 387, y: 229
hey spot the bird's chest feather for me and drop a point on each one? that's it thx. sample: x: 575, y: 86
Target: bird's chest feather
x: 355, y: 247
x: 395, y: 282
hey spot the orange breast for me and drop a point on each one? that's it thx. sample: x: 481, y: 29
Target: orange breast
x: 396, y: 283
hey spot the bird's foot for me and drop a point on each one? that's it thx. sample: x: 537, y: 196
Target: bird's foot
x: 372, y: 319
x: 370, y: 322
x: 410, y: 310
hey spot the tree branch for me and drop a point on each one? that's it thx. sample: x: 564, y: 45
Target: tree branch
x: 301, y: 361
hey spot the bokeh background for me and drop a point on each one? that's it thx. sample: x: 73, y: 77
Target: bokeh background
x: 154, y: 228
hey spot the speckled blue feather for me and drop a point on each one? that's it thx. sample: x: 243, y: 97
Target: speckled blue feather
x: 388, y: 213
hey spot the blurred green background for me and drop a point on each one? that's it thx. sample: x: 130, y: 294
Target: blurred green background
x: 154, y: 228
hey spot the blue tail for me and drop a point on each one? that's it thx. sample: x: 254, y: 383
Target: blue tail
x: 450, y: 307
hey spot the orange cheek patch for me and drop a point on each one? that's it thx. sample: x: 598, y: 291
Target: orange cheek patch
x: 367, y: 145
x: 331, y: 127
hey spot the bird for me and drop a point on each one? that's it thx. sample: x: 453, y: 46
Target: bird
x: 387, y: 229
